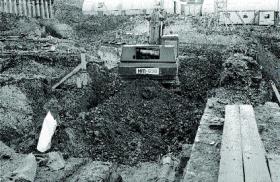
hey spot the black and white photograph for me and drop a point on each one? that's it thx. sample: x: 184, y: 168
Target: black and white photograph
x: 139, y: 91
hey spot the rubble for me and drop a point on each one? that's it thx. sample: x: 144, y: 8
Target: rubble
x: 55, y: 161
x: 6, y: 152
x: 26, y: 171
x: 95, y: 171
x: 60, y: 30
x: 16, y: 113
x: 116, y: 130
x: 240, y: 70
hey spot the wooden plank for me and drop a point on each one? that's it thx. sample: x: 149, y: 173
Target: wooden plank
x: 231, y: 166
x: 274, y: 167
x: 275, y: 91
x: 76, y: 70
x: 254, y: 161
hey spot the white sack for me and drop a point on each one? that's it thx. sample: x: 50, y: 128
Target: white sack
x: 47, y: 131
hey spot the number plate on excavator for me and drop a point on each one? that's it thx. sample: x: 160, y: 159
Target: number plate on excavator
x: 147, y: 71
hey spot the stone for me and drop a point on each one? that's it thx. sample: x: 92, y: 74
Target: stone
x: 26, y: 170
x: 60, y: 30
x: 93, y: 171
x: 56, y: 161
x: 6, y: 152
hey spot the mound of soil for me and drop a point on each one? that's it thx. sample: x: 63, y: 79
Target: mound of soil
x: 140, y: 123
x: 15, y: 25
x: 241, y: 70
x: 199, y: 71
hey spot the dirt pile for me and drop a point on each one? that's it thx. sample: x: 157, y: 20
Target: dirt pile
x: 140, y: 123
x: 199, y: 71
x: 242, y: 82
x: 240, y: 70
x: 15, y: 113
x: 16, y: 25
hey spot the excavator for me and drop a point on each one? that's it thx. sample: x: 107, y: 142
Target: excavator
x: 157, y: 60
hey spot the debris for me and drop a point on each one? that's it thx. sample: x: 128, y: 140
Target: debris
x: 212, y: 143
x: 15, y: 113
x: 26, y: 170
x: 47, y: 131
x: 60, y: 30
x: 96, y: 171
x: 56, y: 161
x: 141, y: 123
x: 6, y: 152
x: 275, y: 91
x: 241, y: 70
x: 167, y: 169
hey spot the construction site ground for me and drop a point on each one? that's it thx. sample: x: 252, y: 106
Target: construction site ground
x: 111, y: 127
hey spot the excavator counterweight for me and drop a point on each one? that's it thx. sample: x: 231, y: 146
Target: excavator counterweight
x: 158, y: 60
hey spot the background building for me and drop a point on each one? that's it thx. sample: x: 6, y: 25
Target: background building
x: 131, y: 7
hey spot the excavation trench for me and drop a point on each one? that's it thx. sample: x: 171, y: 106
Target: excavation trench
x: 129, y: 123
x: 111, y: 120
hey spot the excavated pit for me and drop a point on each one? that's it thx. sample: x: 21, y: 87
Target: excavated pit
x: 112, y: 120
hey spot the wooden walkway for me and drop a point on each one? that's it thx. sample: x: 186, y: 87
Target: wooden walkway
x: 243, y: 157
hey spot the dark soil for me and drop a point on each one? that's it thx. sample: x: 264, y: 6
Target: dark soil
x: 140, y: 123
x: 199, y: 71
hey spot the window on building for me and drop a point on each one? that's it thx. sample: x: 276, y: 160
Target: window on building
x: 266, y: 16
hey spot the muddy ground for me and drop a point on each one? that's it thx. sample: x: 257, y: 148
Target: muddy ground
x: 109, y: 120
